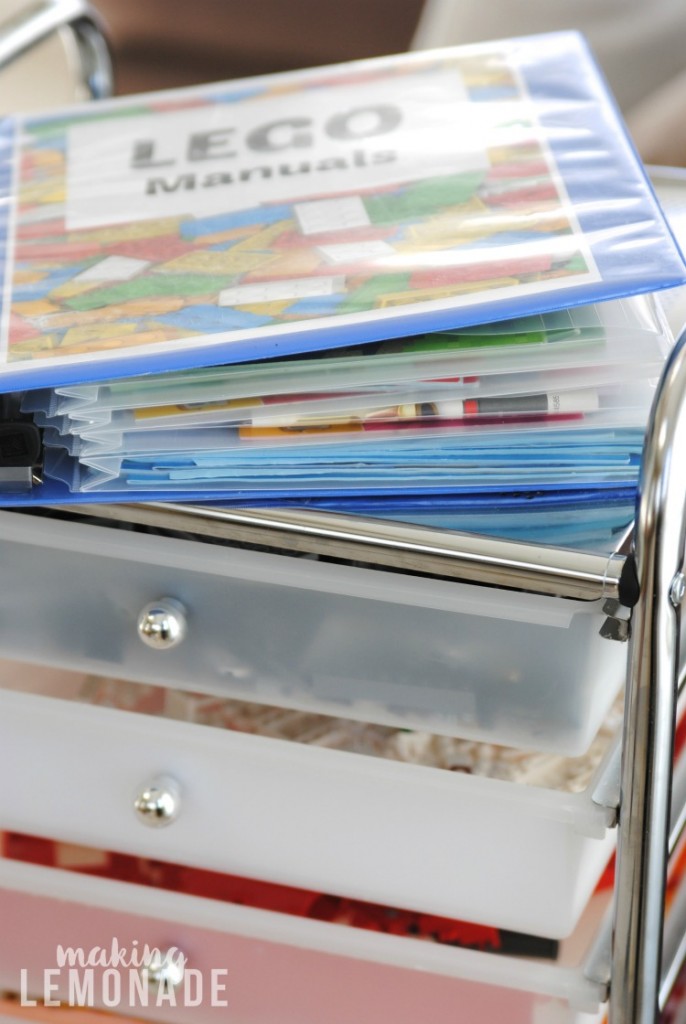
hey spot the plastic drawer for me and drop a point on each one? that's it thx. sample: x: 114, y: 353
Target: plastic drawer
x: 458, y: 659
x: 463, y: 846
x: 279, y: 970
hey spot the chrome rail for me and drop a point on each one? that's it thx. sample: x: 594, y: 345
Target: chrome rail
x: 41, y: 19
x: 384, y: 544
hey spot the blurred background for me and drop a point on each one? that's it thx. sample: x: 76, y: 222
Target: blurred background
x: 159, y: 44
x: 640, y: 45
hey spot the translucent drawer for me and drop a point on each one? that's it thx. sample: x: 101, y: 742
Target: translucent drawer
x: 276, y: 969
x: 470, y: 847
x: 452, y: 658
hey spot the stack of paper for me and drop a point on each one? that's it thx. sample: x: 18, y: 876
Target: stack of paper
x: 408, y: 287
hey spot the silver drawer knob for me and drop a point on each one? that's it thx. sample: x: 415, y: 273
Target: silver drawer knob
x: 165, y: 969
x: 159, y: 802
x: 162, y: 624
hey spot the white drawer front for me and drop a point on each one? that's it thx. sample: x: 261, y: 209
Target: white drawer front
x: 275, y: 969
x: 451, y: 658
x: 408, y: 836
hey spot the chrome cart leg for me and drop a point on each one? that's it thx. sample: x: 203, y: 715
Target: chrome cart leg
x: 652, y: 684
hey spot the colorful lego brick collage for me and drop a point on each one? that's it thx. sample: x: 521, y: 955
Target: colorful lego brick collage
x: 127, y: 286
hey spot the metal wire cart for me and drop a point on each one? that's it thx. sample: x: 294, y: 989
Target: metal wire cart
x: 637, y: 954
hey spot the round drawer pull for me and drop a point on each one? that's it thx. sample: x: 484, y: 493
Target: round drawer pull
x: 165, y: 968
x: 159, y: 802
x: 162, y: 624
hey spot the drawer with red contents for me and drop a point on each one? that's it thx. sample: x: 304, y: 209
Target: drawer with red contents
x: 75, y: 941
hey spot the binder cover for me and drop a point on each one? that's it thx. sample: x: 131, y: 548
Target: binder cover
x: 297, y: 213
x: 319, y: 208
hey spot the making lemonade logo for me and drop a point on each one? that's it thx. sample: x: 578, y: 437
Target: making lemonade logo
x: 234, y: 153
x: 132, y: 977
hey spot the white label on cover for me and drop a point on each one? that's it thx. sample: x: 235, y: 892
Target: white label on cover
x: 331, y: 215
x: 113, y: 268
x: 280, y: 291
x: 355, y: 252
x: 338, y: 137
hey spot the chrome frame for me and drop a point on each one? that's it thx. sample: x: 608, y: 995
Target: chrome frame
x: 41, y: 19
x: 652, y: 689
x: 384, y: 544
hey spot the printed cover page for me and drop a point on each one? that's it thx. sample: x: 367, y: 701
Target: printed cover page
x: 309, y: 210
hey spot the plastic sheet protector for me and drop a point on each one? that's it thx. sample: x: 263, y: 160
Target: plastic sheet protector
x: 509, y: 428
x: 419, y: 282
x: 320, y: 208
